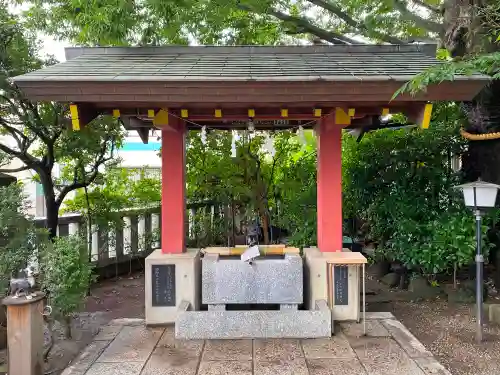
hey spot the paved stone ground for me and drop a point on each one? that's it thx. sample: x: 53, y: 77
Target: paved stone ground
x: 127, y: 347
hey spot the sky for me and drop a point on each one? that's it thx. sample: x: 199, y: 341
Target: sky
x: 53, y: 47
x: 50, y: 45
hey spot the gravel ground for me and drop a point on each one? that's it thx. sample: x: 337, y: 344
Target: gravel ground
x: 448, y: 331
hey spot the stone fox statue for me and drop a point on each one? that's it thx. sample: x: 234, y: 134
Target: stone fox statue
x: 23, y: 283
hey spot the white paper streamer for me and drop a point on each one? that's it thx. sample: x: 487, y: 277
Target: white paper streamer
x: 203, y: 135
x: 251, y: 126
x: 269, y: 145
x: 233, y: 144
x: 300, y: 134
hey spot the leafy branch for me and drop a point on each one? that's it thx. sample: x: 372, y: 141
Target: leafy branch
x: 357, y: 26
x: 488, y: 65
x: 406, y: 13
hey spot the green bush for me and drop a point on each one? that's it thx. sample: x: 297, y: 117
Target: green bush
x: 65, y: 276
x: 18, y: 235
x: 400, y: 184
x: 439, y: 245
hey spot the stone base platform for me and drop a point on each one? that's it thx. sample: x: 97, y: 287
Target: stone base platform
x: 128, y: 347
x: 254, y: 324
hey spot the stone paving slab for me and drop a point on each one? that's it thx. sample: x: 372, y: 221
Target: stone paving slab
x: 379, y: 315
x: 374, y: 328
x: 127, y: 347
x: 277, y: 350
x: 336, y: 347
x: 230, y: 350
x: 108, y: 333
x: 296, y: 366
x: 430, y: 366
x: 405, y: 338
x: 333, y: 366
x: 383, y: 356
x: 86, y: 358
x: 131, y: 322
x: 125, y: 368
x: 188, y: 348
x: 226, y: 368
x: 132, y: 344
x: 171, y: 361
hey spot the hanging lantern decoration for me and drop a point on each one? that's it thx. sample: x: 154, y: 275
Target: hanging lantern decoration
x: 269, y: 145
x: 301, y: 135
x: 203, y: 135
x: 233, y: 144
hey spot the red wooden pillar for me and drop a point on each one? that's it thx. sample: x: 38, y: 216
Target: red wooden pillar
x: 173, y: 190
x: 329, y: 182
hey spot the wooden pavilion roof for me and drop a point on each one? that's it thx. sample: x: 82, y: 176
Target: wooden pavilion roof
x: 231, y: 80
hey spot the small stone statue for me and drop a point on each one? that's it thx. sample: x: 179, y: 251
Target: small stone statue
x: 24, y: 283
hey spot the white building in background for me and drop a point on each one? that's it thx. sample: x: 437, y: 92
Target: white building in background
x: 134, y: 155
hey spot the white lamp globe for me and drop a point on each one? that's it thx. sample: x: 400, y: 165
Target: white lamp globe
x: 479, y: 194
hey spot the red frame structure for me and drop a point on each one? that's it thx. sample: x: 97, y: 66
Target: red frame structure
x: 327, y: 87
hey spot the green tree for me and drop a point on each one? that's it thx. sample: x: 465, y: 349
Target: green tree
x: 38, y: 134
x: 114, y: 191
x: 463, y: 28
x: 236, y: 21
x: 253, y: 181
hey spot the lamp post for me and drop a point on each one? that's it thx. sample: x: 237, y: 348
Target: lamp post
x: 479, y: 196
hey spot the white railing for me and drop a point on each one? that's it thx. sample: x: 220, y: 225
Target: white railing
x: 135, y: 238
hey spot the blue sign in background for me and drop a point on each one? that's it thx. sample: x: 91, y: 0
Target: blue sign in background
x: 139, y: 146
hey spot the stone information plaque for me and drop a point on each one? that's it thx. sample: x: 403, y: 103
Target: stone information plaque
x: 341, y: 289
x: 163, y: 285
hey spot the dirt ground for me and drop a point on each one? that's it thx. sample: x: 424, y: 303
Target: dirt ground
x: 118, y: 298
x: 446, y: 330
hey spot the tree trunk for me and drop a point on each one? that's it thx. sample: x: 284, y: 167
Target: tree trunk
x: 482, y: 160
x: 467, y: 34
x: 265, y: 227
x: 264, y: 218
x: 51, y: 206
x: 52, y: 217
x: 228, y: 225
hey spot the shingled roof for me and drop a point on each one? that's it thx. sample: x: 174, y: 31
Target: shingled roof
x: 337, y: 62
x: 211, y: 76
